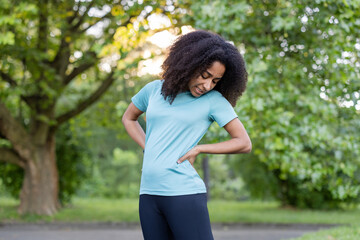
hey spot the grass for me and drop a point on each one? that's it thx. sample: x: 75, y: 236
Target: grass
x: 81, y: 210
x: 270, y: 212
x: 340, y: 233
x: 126, y: 210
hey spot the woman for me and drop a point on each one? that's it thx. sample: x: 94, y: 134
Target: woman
x: 202, y: 79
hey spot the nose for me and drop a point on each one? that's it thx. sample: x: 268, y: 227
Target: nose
x: 207, y: 85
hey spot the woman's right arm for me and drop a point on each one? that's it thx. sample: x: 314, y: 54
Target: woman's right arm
x: 132, y: 126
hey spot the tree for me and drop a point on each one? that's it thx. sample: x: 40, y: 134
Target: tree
x: 72, y: 162
x: 301, y: 107
x: 57, y: 59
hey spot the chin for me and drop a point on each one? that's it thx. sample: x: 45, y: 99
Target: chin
x: 195, y: 94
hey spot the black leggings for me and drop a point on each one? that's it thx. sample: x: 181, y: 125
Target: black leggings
x: 182, y: 217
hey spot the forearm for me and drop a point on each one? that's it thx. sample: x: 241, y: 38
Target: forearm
x: 234, y: 145
x: 135, y: 131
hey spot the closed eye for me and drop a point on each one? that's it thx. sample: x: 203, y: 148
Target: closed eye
x: 203, y: 76
x: 206, y: 75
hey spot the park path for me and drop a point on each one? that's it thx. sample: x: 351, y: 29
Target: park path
x: 124, y: 231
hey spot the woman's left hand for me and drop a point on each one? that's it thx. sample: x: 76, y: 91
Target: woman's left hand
x: 190, y: 156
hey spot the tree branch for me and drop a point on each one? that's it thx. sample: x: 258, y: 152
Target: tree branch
x: 13, y: 83
x: 8, y: 79
x: 80, y: 69
x: 13, y: 131
x: 63, y: 48
x: 8, y: 155
x: 71, y: 19
x: 43, y: 25
x: 61, y: 54
x: 81, y: 19
x: 87, y: 102
x: 99, y: 20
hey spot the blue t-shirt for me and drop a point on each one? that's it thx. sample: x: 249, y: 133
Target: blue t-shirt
x: 171, y: 131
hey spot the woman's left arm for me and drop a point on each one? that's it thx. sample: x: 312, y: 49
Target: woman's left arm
x: 239, y: 143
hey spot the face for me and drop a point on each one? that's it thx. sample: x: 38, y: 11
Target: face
x: 207, y: 80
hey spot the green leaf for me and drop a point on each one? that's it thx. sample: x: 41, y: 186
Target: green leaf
x: 7, y: 38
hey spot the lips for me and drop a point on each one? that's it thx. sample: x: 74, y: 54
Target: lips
x: 198, y: 91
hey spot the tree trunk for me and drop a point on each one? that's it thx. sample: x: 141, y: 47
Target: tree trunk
x: 40, y: 189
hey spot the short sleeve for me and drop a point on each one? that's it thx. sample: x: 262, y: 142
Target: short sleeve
x: 141, y: 99
x: 221, y: 110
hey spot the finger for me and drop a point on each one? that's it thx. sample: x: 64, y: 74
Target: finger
x: 183, y: 158
x: 191, y: 160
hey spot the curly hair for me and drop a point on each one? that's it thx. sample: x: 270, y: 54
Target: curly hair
x: 195, y: 52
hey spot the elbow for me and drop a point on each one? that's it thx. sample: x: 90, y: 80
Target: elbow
x: 248, y: 147
x: 127, y: 120
x: 243, y: 145
x: 124, y: 120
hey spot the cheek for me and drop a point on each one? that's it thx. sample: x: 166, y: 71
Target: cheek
x: 194, y: 82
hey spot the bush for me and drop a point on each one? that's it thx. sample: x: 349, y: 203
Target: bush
x: 73, y: 162
x: 115, y: 176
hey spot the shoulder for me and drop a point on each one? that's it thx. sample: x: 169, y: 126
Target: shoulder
x: 157, y: 82
x: 217, y: 100
x: 214, y: 95
x: 154, y: 84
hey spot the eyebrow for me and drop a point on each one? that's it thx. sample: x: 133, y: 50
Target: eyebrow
x: 212, y: 75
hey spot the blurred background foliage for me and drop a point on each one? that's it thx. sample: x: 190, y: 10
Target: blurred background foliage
x: 301, y: 107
